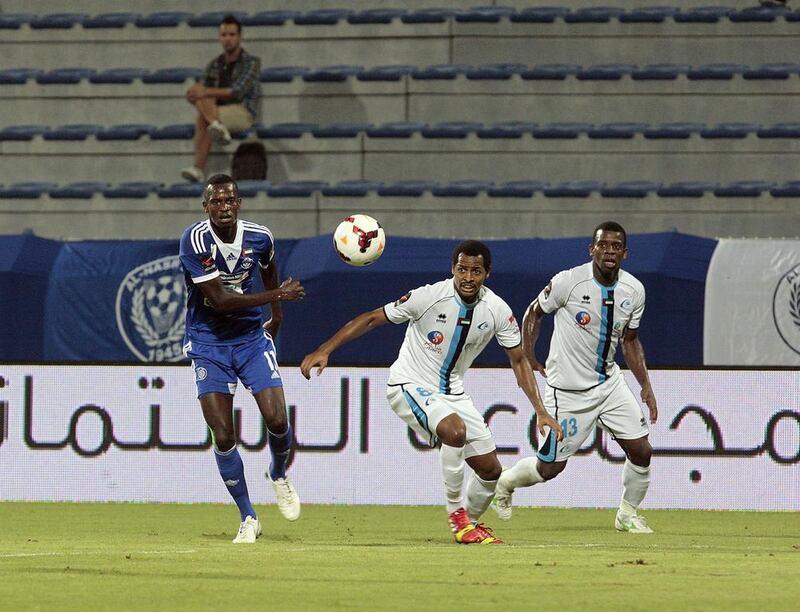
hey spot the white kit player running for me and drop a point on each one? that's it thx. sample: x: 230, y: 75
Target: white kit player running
x: 596, y: 305
x: 449, y: 324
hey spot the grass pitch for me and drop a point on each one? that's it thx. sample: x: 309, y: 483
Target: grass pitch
x: 167, y: 557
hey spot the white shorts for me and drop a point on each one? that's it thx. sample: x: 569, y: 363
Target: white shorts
x: 611, y: 406
x: 423, y: 409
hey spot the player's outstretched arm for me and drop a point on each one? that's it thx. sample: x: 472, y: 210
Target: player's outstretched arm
x: 351, y: 330
x: 531, y: 326
x: 222, y: 300
x: 633, y: 352
x: 524, y: 373
x: 269, y: 278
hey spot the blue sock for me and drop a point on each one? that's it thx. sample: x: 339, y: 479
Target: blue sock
x: 231, y: 469
x: 280, y: 446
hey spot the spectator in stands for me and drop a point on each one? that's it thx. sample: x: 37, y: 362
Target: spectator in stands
x: 226, y: 100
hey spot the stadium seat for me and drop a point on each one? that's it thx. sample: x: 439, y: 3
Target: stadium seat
x: 716, y: 72
x: 17, y: 76
x: 752, y: 14
x: 648, y: 14
x: 621, y: 130
x: 771, y: 71
x: 787, y: 190
x: 80, y: 131
x: 14, y: 21
x: 212, y: 19
x: 285, y: 130
x: 729, y: 130
x: 451, y: 129
x: 332, y: 73
x: 660, y: 72
x: 323, y: 16
x: 26, y: 191
x: 395, y: 129
x: 376, y: 16
x: 539, y: 14
x: 354, y: 189
x: 110, y: 20
x: 516, y: 189
x: 428, y: 15
x: 561, y: 130
x: 340, y: 130
x: 127, y: 131
x: 484, y: 14
x: 64, y: 76
x: 605, y: 72
x: 413, y: 189
x: 392, y: 72
x: 173, y: 75
x: 178, y: 131
x: 281, y: 74
x: 673, y: 130
x: 743, y: 189
x: 494, y: 72
x: 779, y: 130
x: 702, y: 14
x: 550, y: 72
x: 686, y: 189
x: 57, y: 21
x: 572, y: 189
x: 118, y: 75
x: 251, y: 188
x: 181, y: 190
x: 133, y: 190
x: 506, y: 129
x: 440, y: 71
x: 593, y: 14
x: 22, y: 132
x: 163, y: 19
x: 269, y: 18
x: 630, y: 189
x: 78, y: 191
x: 298, y: 189
x: 461, y: 189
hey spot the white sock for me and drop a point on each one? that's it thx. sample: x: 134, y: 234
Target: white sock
x: 479, y: 495
x: 451, y: 460
x: 635, y: 481
x: 523, y: 474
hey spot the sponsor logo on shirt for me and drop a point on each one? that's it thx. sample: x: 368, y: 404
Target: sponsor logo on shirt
x: 485, y: 324
x: 586, y: 299
x: 403, y: 299
x: 435, y: 338
x: 441, y: 318
x: 583, y: 319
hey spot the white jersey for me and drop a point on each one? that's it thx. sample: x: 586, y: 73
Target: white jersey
x: 589, y: 322
x: 445, y: 335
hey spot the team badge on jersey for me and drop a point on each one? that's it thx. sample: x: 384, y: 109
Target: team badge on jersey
x: 583, y: 318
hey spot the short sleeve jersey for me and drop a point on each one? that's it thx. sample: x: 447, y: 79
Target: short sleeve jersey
x: 589, y: 322
x: 205, y: 256
x: 445, y: 335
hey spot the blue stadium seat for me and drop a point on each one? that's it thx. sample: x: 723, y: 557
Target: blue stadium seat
x: 163, y: 19
x: 428, y: 15
x: 133, y: 190
x: 539, y: 14
x: 771, y: 71
x: 353, y: 189
x: 22, y: 132
x: 340, y: 130
x: 78, y: 131
x: 494, y: 72
x: 64, y: 76
x: 298, y: 189
x: 17, y: 76
x: 752, y: 14
x: 269, y: 18
x: 26, y: 191
x: 396, y: 129
x: 411, y: 189
x: 461, y: 189
x: 620, y: 130
x: 376, y: 16
x: 729, y: 130
x: 630, y: 189
x: 787, y: 190
x: 660, y: 72
x: 285, y: 130
x: 118, y: 75
x: 702, y: 14
x: 446, y: 72
x: 593, y: 14
x: 281, y: 74
x: 673, y: 130
x: 687, y: 189
x: 507, y: 129
x: 779, y: 130
x: 516, y: 189
x: 792, y: 16
x: 743, y: 189
x: 78, y: 191
x: 57, y: 21
x: 212, y: 18
x: 14, y: 21
x: 484, y: 14
x: 126, y: 131
x: 648, y: 14
x: 550, y: 72
x: 605, y: 72
x: 573, y: 189
x: 332, y: 73
x: 567, y: 130
x: 110, y: 20
x: 251, y: 188
x: 392, y: 72
x: 323, y: 16
x: 173, y: 75
x: 716, y: 72
x: 451, y: 129
x: 181, y: 190
x: 177, y: 131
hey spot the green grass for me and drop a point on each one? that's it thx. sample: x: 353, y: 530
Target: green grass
x: 168, y: 556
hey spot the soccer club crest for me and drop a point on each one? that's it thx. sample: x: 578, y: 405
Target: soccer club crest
x: 786, y: 308
x: 151, y: 310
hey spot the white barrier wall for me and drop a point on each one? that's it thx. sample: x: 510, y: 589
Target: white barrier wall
x: 724, y: 440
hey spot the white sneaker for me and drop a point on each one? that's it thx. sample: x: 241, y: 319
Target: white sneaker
x: 288, y: 499
x: 192, y: 174
x: 219, y: 133
x: 249, y: 530
x: 501, y: 503
x: 632, y: 523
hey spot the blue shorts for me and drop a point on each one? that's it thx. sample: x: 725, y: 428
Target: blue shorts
x: 218, y: 366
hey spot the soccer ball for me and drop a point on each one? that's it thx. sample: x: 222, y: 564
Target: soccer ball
x: 359, y: 240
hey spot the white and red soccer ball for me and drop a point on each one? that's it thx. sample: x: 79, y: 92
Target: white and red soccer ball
x: 359, y: 240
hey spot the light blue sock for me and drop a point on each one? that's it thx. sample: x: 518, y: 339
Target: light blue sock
x: 280, y: 445
x: 231, y: 469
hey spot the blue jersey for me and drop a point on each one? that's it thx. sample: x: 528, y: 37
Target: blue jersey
x: 205, y: 256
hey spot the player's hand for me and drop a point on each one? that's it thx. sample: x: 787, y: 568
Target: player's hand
x: 649, y: 398
x: 291, y: 290
x: 538, y: 367
x: 546, y: 420
x: 271, y: 326
x: 195, y: 92
x: 317, y: 358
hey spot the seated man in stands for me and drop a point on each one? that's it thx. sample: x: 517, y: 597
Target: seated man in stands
x: 226, y: 99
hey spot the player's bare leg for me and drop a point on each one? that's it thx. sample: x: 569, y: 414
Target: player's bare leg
x: 635, y: 482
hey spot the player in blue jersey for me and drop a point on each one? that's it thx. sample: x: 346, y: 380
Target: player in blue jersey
x: 596, y: 305
x: 226, y: 341
x: 449, y: 325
